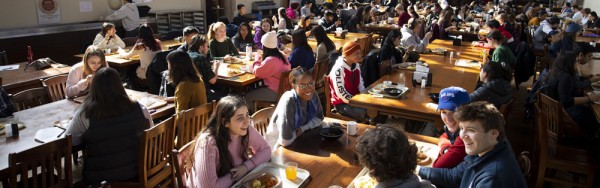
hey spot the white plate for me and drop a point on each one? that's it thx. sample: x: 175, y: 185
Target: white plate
x: 277, y: 170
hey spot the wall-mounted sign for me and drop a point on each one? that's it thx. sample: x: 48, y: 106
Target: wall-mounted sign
x: 48, y: 11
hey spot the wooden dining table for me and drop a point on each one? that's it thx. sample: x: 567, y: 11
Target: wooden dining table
x: 580, y: 38
x: 334, y: 162
x: 416, y: 104
x: 591, y: 68
x: 115, y: 60
x: 45, y: 116
x: 14, y: 81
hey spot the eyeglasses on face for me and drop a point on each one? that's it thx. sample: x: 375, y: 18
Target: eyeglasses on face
x: 306, y: 86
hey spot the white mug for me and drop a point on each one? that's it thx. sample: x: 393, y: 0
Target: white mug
x: 351, y: 128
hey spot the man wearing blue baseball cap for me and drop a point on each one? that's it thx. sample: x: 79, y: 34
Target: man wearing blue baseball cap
x: 452, y: 148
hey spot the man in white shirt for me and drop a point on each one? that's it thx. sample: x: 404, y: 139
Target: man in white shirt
x: 585, y: 13
x: 129, y: 16
x: 305, y: 10
x: 577, y: 16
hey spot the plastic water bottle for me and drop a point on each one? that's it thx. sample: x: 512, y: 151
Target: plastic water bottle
x: 451, y: 56
x: 248, y: 51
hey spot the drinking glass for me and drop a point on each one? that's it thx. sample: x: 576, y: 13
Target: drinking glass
x: 291, y: 169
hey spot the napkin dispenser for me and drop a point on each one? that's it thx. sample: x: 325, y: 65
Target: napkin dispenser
x: 457, y: 41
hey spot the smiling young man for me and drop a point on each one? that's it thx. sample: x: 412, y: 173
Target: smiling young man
x: 490, y: 160
x: 452, y: 148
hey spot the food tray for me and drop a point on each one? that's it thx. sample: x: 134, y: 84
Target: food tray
x: 468, y: 63
x: 277, y: 170
x: 225, y: 68
x: 383, y: 94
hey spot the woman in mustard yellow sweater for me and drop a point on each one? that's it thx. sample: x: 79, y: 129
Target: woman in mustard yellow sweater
x: 189, y: 87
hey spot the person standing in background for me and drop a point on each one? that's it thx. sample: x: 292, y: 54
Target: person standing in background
x: 129, y: 16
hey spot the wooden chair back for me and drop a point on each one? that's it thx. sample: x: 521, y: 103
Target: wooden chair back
x: 49, y: 163
x: 328, y: 105
x: 284, y: 84
x: 364, y: 44
x: 262, y: 118
x: 385, y: 67
x: 525, y: 164
x: 3, y: 58
x: 57, y: 87
x: 155, y: 149
x: 190, y: 123
x: 30, y: 98
x: 318, y: 72
x: 542, y: 63
x: 130, y: 41
x: 505, y: 110
x: 552, y: 114
x: 182, y: 162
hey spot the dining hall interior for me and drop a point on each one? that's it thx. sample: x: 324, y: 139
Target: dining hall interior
x: 299, y: 93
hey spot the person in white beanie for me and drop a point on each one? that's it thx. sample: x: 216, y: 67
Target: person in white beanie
x: 269, y: 68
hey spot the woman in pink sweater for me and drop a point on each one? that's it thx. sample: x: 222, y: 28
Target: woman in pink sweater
x: 273, y: 64
x: 228, y: 147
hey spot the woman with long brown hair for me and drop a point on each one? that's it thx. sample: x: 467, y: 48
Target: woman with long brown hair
x: 190, y: 91
x: 146, y: 47
x: 108, y: 38
x: 228, y: 147
x: 109, y: 118
x: 82, y: 73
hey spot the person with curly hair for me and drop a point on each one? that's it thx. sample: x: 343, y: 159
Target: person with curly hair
x: 390, y: 157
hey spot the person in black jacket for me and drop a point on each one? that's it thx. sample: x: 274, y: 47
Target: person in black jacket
x: 561, y: 86
x: 496, y: 87
x: 388, y: 48
x: 241, y: 17
x: 328, y: 23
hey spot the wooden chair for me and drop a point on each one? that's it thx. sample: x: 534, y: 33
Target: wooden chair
x: 284, y: 85
x: 182, y: 163
x: 43, y: 161
x: 505, y: 111
x: 154, y: 161
x: 541, y: 63
x: 364, y: 44
x: 385, y: 67
x: 328, y: 107
x: 57, y: 87
x: 3, y: 58
x: 190, y: 123
x: 30, y: 98
x: 262, y: 118
x: 556, y: 118
x: 318, y: 72
x: 575, y: 161
x: 130, y: 41
x: 525, y: 164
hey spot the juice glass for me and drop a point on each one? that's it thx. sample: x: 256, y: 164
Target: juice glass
x: 291, y: 169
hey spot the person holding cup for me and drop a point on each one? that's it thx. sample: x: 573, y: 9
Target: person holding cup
x: 81, y: 74
x: 297, y: 111
x: 198, y: 51
x: 107, y: 38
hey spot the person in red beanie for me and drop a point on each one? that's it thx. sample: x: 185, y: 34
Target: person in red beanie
x: 345, y: 81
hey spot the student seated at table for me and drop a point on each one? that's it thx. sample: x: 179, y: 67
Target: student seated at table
x: 403, y: 15
x: 535, y: 21
x: 284, y: 21
x: 388, y: 49
x: 410, y: 35
x: 502, y: 52
x: 446, y: 24
x: 108, y: 110
x: 565, y: 40
x: 305, y: 10
x: 268, y: 68
x: 190, y: 91
x: 593, y: 23
x: 297, y: 111
x: 146, y: 47
x: 324, y: 44
x: 390, y: 157
x: 292, y: 11
x: 6, y: 105
x: 82, y: 73
x: 241, y: 17
x: 562, y: 86
x: 265, y: 27
x: 496, y: 88
x: 220, y: 45
x: 505, y: 22
x: 346, y: 81
x: 304, y: 24
x: 302, y: 55
x: 188, y: 33
x: 494, y: 25
x: 328, y: 23
x: 356, y: 21
x: 243, y: 37
x: 198, y: 52
x: 108, y: 38
x: 490, y: 160
x: 544, y: 33
x: 228, y: 147
x: 367, y: 15
x: 452, y: 147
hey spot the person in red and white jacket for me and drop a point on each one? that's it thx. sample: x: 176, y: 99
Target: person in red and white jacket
x: 345, y: 81
x: 452, y: 147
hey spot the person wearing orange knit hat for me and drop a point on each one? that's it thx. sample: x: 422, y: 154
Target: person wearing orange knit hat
x: 345, y: 81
